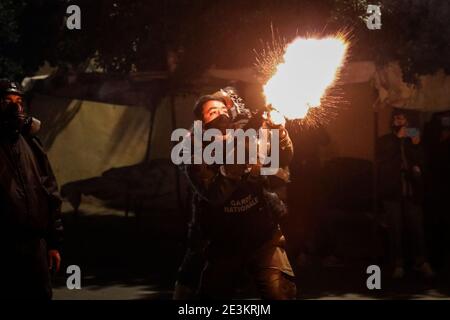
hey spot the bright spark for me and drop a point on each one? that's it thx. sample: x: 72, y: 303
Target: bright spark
x: 310, y: 66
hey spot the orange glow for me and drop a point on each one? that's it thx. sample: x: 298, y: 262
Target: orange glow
x: 277, y: 118
x: 310, y: 66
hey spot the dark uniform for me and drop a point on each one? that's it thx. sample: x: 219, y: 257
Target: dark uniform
x: 236, y: 223
x: 401, y: 191
x: 29, y: 216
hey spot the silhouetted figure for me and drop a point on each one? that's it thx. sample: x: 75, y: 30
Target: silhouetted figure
x: 31, y: 229
x: 400, y: 166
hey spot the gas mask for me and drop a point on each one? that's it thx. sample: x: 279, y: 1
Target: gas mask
x: 12, y: 117
x: 222, y: 122
x: 13, y: 120
x: 396, y: 129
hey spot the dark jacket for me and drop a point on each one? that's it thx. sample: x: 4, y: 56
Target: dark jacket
x: 396, y: 177
x: 236, y: 215
x: 29, y: 201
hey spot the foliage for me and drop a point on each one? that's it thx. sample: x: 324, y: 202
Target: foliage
x: 123, y: 36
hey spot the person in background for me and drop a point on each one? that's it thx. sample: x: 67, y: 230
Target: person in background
x: 31, y: 228
x: 400, y: 165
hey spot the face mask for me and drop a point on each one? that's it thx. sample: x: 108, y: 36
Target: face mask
x: 222, y: 123
x: 396, y: 129
x: 12, y: 119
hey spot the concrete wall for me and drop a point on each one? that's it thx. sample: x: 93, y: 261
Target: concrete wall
x: 351, y: 129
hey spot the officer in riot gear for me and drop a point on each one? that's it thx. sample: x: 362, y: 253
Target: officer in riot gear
x: 236, y: 215
x: 31, y: 225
